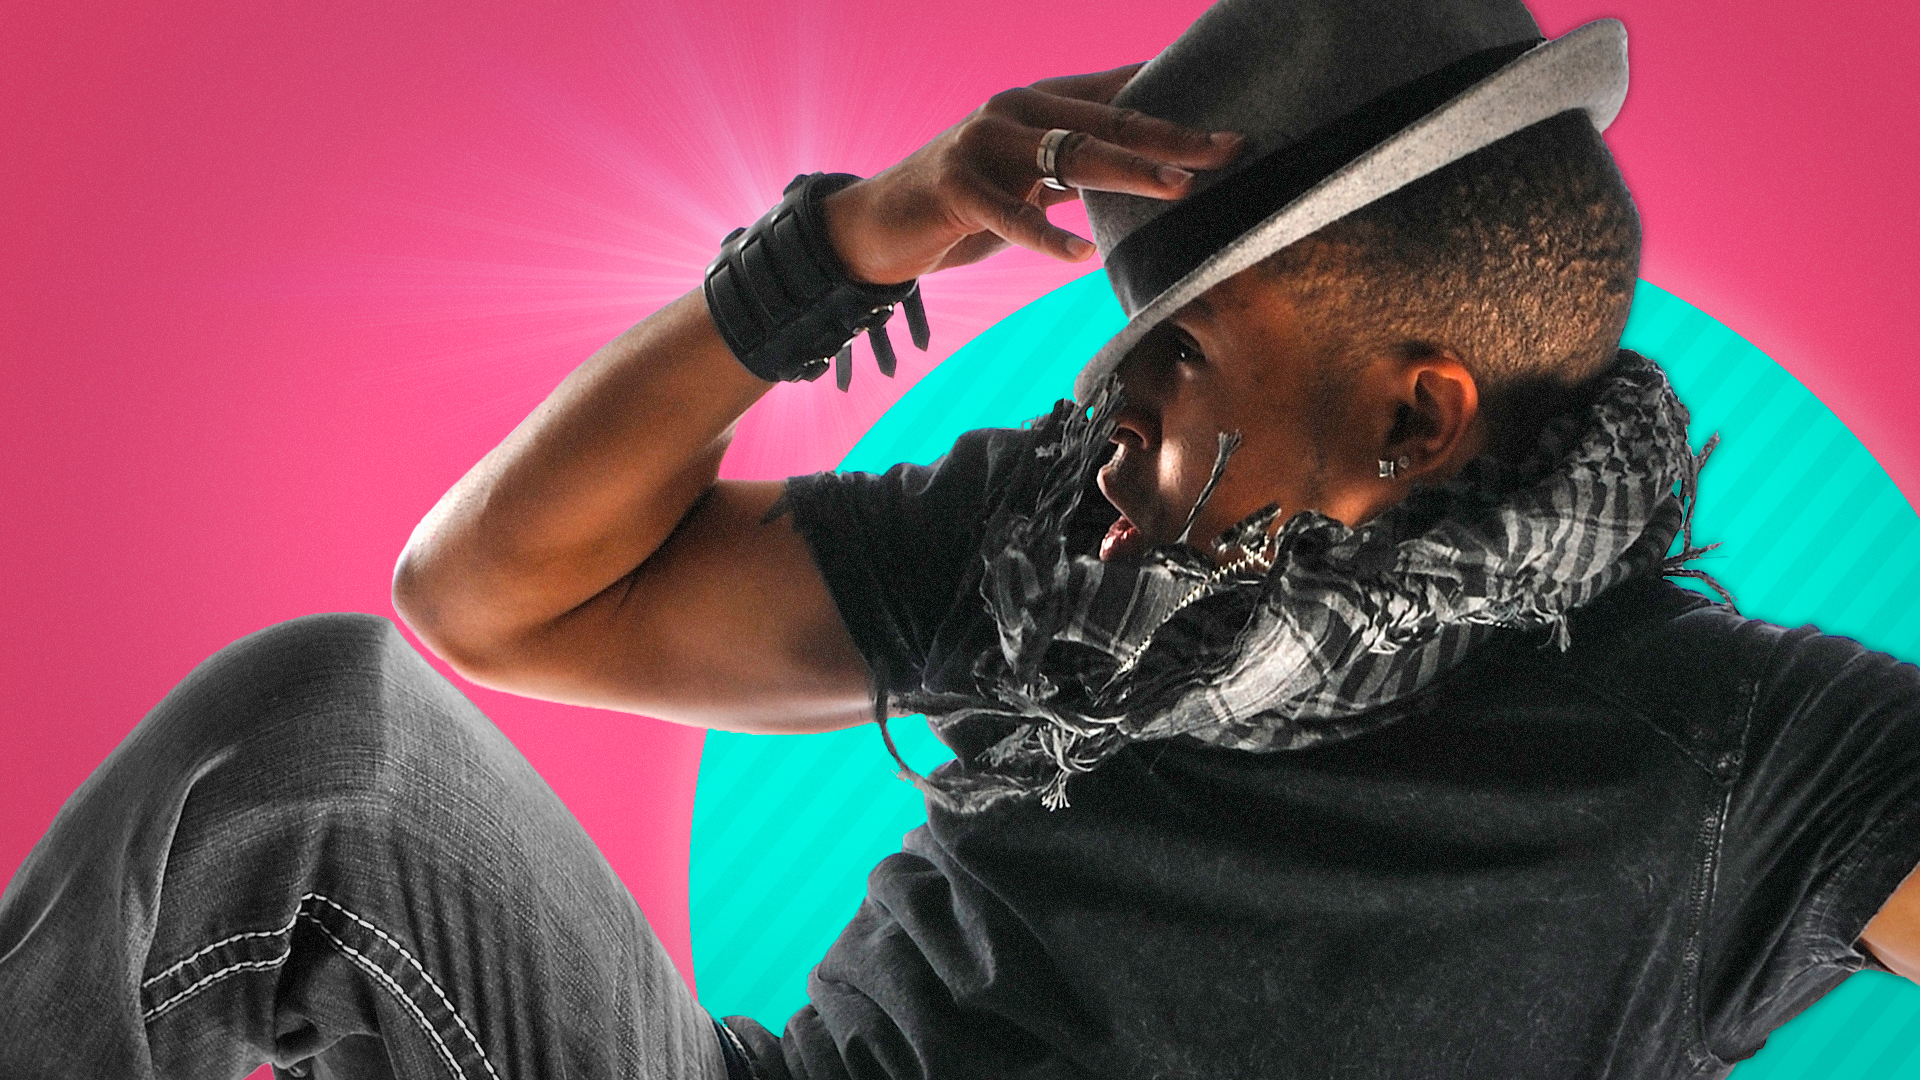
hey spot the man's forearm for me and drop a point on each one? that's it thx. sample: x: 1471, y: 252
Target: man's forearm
x: 583, y: 490
x: 590, y: 486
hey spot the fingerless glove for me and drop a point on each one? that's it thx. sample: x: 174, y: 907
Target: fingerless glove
x: 785, y: 303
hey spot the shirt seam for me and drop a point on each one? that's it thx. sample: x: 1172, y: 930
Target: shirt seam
x: 1692, y: 754
x: 1748, y: 699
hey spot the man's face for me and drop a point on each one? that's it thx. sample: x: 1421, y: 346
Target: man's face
x: 1242, y: 359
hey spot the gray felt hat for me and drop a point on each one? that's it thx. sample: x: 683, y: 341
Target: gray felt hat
x: 1341, y: 102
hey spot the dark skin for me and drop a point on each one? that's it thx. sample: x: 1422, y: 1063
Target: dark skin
x: 594, y: 558
x: 1243, y: 358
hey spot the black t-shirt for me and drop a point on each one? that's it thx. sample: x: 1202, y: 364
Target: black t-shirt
x: 1635, y: 858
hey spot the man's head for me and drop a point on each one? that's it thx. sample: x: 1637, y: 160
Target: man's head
x: 1444, y: 320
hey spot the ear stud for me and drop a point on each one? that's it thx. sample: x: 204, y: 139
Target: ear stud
x: 1389, y: 468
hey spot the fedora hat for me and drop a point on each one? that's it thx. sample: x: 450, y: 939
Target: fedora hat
x: 1341, y: 102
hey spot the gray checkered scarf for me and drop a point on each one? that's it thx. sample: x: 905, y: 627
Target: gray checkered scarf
x: 1316, y: 630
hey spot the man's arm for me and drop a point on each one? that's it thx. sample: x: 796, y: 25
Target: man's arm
x: 1893, y: 936
x: 592, y: 557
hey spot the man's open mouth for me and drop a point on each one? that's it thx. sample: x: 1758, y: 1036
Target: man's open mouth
x: 1123, y: 540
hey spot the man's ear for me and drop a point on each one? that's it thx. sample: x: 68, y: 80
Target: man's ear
x: 1435, y: 426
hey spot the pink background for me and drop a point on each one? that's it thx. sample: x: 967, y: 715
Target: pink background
x: 273, y: 276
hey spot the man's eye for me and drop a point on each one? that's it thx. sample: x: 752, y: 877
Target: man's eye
x: 1187, y: 352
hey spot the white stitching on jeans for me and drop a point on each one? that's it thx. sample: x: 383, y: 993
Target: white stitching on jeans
x: 351, y: 953
x: 398, y: 990
x: 154, y: 1013
x: 451, y: 1011
x: 226, y: 941
x: 354, y: 955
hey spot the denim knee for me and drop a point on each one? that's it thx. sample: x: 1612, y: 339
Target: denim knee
x: 331, y: 679
x: 328, y: 736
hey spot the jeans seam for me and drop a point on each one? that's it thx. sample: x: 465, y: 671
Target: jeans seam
x: 361, y: 961
x: 355, y: 956
x: 160, y: 1009
x: 393, y: 986
x: 284, y: 929
x: 232, y: 969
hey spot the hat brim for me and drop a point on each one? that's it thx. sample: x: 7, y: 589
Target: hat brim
x: 1583, y: 69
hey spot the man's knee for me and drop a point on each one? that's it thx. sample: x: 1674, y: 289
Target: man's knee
x: 325, y: 679
x: 333, y: 645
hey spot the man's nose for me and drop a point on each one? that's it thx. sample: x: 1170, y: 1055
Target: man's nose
x: 1144, y: 381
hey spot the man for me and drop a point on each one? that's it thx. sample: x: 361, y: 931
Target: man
x: 1365, y: 737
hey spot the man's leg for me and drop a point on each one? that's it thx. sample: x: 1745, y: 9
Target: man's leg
x: 316, y: 846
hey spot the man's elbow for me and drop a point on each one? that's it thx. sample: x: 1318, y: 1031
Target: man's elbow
x: 434, y: 615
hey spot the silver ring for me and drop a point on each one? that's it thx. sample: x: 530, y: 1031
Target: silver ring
x: 1047, y: 156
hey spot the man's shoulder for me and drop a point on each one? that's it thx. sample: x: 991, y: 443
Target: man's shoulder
x: 979, y: 465
x: 1649, y: 620
x: 1655, y: 628
x: 1708, y: 674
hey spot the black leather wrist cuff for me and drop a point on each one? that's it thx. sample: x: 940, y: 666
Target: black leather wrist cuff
x: 784, y: 302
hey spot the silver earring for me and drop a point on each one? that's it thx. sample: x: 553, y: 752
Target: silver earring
x: 1389, y: 468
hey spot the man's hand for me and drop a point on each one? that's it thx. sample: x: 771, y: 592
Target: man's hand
x: 976, y: 187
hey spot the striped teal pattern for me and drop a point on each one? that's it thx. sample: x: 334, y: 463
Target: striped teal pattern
x: 785, y: 828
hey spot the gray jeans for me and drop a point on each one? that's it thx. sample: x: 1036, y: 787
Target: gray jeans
x: 317, y: 853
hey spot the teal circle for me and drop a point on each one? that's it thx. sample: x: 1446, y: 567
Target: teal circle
x: 785, y: 828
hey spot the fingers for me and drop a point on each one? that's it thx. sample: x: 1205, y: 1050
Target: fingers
x: 1128, y: 130
x: 986, y: 206
x: 1087, y: 162
x: 977, y: 185
x: 1001, y: 146
x: 996, y: 188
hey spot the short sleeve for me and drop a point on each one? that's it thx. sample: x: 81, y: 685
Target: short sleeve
x: 1820, y: 828
x: 896, y: 549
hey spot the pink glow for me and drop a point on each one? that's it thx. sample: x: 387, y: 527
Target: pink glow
x: 272, y: 277
x: 1772, y: 150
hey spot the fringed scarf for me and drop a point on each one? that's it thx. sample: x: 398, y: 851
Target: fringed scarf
x: 1313, y: 630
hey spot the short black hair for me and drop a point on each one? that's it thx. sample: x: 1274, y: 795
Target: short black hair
x: 1520, y: 258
